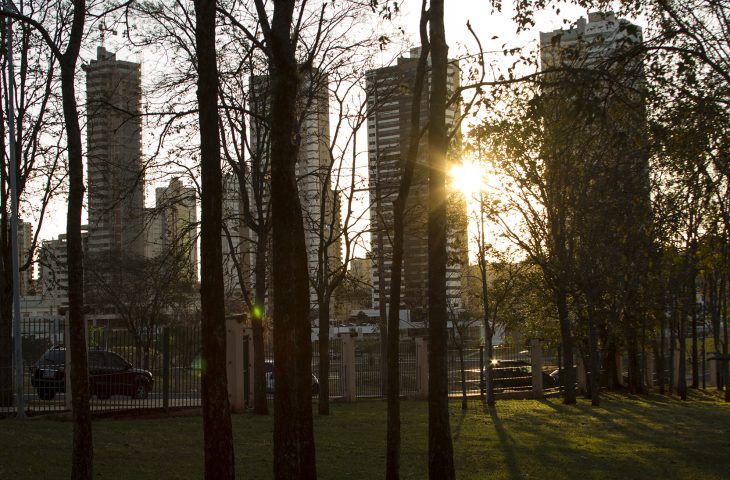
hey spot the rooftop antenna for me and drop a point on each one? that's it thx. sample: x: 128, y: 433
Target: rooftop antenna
x: 103, y: 29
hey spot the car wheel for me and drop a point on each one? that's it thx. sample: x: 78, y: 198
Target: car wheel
x: 141, y: 389
x: 46, y: 394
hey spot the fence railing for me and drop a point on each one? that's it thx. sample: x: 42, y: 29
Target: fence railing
x: 162, y: 368
x: 158, y: 369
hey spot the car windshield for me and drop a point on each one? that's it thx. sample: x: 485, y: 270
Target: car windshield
x: 53, y: 357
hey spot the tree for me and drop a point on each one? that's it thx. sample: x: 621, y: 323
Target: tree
x: 440, y: 448
x: 142, y: 291
x: 333, y: 231
x: 218, y: 435
x: 294, y: 449
x: 248, y: 108
x: 39, y: 169
x: 542, y: 207
x: 393, y: 440
x: 83, y: 452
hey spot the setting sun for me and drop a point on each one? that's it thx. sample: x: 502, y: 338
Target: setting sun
x: 468, y: 177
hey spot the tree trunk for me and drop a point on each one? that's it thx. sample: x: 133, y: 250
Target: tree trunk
x: 383, y: 324
x: 83, y: 447
x: 6, y: 282
x: 260, y: 404
x: 392, y: 457
x: 217, y: 431
x: 682, y: 373
x: 440, y: 448
x: 566, y: 339
x: 6, y: 310
x: 294, y: 450
x: 723, y: 302
x: 462, y: 369
x: 695, y: 350
x: 488, y: 332
x: 716, y: 287
x: 594, y: 359
x: 613, y: 376
x: 672, y: 349
x: 659, y: 356
x: 636, y: 381
x: 324, y: 356
x: 491, y: 399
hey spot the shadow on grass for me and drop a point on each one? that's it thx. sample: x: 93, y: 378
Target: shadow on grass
x: 506, y: 444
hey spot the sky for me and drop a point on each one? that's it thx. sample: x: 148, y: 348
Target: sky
x: 495, y: 29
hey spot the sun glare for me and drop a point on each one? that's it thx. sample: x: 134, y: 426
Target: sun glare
x: 468, y: 177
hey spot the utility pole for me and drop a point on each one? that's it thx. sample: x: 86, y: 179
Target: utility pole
x: 10, y: 102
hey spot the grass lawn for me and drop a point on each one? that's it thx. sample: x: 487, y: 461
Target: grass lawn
x: 626, y: 438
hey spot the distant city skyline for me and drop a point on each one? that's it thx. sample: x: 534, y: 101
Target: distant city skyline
x: 486, y: 25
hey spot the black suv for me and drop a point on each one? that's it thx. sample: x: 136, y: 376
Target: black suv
x: 109, y: 374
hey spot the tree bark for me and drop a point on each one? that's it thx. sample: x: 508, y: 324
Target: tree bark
x: 695, y: 352
x: 294, y: 450
x: 594, y: 359
x: 260, y: 404
x: 440, y: 448
x: 462, y: 371
x: 83, y: 447
x: 659, y: 358
x: 324, y: 355
x: 6, y: 282
x: 672, y: 346
x: 393, y: 440
x: 217, y: 431
x: 566, y: 338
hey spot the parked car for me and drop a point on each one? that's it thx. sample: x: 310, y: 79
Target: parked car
x: 515, y: 375
x: 109, y: 374
x: 269, y: 369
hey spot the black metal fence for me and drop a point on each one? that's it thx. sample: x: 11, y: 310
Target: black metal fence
x: 127, y: 370
x: 161, y: 368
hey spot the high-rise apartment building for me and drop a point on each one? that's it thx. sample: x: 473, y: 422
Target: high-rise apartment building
x: 114, y: 155
x: 390, y: 96
x: 594, y: 106
x: 171, y: 227
x: 591, y: 41
x: 25, y: 241
x: 53, y: 265
x: 236, y: 244
x: 312, y: 168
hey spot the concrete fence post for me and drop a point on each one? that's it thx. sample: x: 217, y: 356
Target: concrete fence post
x: 536, y: 361
x: 712, y: 381
x: 422, y: 367
x: 234, y: 364
x: 580, y: 375
x: 348, y: 365
x: 619, y: 368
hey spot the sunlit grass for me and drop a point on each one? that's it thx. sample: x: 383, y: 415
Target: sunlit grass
x: 627, y: 437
